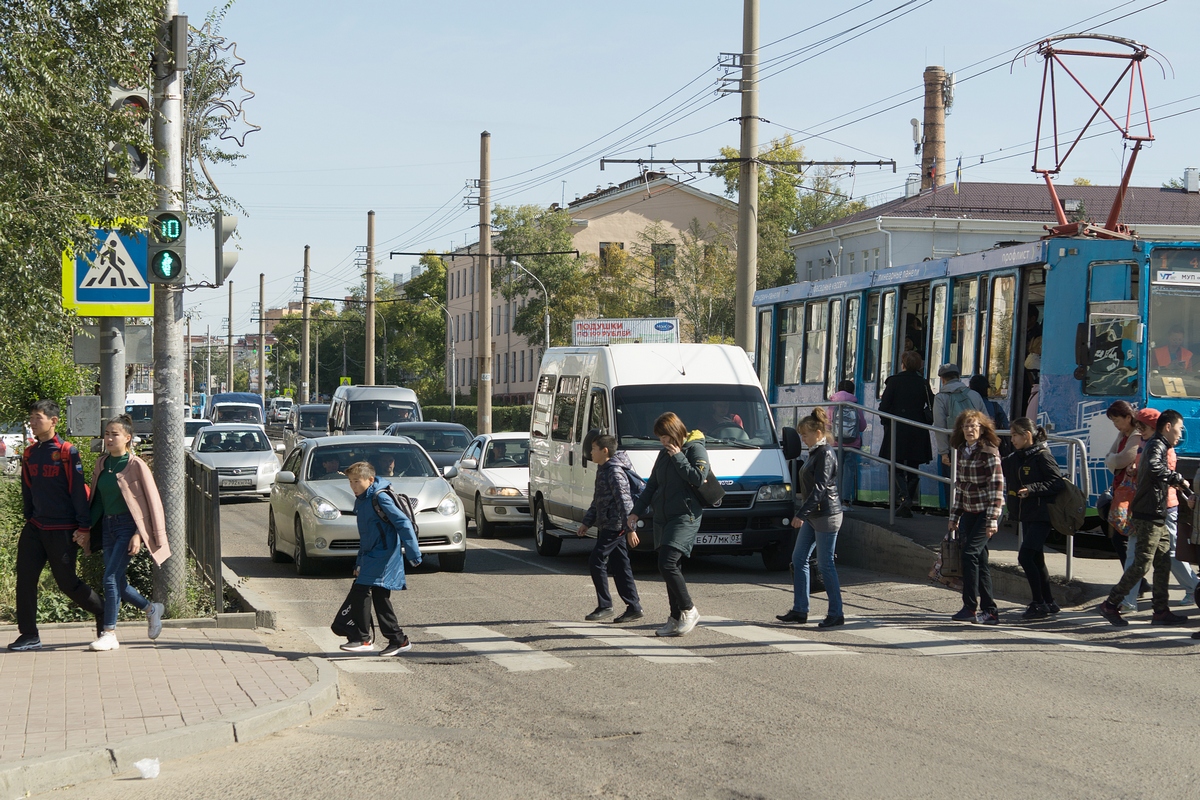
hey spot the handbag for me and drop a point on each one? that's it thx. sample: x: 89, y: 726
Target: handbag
x: 343, y: 621
x: 1118, y: 512
x: 952, y: 555
x: 1185, y: 551
x: 711, y: 491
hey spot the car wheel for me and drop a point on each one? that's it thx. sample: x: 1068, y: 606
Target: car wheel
x: 777, y: 556
x: 273, y: 540
x: 304, y: 564
x: 547, y: 543
x: 452, y: 562
x: 484, y: 528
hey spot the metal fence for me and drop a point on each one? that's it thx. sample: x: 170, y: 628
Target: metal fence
x: 204, y: 525
x: 1076, y: 458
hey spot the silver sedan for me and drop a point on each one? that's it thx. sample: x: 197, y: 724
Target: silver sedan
x: 312, y: 506
x: 242, y: 456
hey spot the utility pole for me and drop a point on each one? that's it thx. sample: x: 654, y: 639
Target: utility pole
x: 230, y: 370
x: 747, y: 235
x: 190, y: 373
x: 369, y: 355
x: 304, y: 343
x: 208, y: 376
x: 484, y: 413
x: 262, y: 337
x: 169, y: 579
x: 112, y: 366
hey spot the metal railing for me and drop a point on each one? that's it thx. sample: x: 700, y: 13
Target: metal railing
x: 204, y: 525
x: 1077, y: 458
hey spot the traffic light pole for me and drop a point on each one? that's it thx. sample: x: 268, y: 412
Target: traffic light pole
x: 170, y: 578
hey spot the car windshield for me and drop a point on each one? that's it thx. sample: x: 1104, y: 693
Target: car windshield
x: 380, y: 413
x: 439, y: 441
x: 237, y: 414
x: 311, y: 420
x: 390, y: 461
x: 140, y: 413
x: 728, y: 416
x: 509, y: 453
x: 235, y: 441
x: 190, y: 426
x: 1174, y: 347
x: 12, y: 429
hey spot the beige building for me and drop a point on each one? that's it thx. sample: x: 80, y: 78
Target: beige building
x: 611, y: 217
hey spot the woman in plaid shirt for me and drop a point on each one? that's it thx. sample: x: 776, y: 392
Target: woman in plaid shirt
x: 975, y: 513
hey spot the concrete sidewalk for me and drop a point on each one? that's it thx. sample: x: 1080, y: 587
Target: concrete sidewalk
x: 69, y: 715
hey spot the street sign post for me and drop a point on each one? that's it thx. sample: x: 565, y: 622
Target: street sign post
x: 111, y: 280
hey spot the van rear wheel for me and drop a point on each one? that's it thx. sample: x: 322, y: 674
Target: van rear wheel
x: 547, y: 543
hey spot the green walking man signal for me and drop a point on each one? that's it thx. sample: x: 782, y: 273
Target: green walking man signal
x: 167, y: 247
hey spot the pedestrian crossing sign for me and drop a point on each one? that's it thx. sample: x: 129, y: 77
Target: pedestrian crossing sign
x: 111, y: 279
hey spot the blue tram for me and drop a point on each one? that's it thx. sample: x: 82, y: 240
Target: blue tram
x: 1110, y: 320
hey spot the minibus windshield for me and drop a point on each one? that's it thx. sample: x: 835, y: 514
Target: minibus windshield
x: 730, y: 417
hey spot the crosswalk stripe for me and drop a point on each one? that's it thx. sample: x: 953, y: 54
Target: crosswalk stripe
x: 1048, y: 637
x: 919, y: 641
x: 770, y: 637
x: 513, y: 656
x: 330, y: 643
x: 652, y: 649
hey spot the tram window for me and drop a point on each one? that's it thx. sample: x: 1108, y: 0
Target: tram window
x: 887, y: 339
x: 999, y: 371
x: 915, y: 309
x: 764, y: 348
x: 937, y: 328
x: 835, y: 342
x: 791, y: 338
x: 1174, y: 350
x: 1113, y: 320
x: 850, y: 344
x: 963, y: 332
x: 871, y: 346
x: 816, y: 338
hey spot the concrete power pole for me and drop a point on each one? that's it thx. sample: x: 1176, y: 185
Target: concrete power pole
x: 304, y: 343
x: 484, y: 416
x: 933, y: 151
x: 369, y: 355
x: 747, y: 234
x: 262, y: 337
x: 112, y: 367
x: 230, y: 370
x: 169, y: 473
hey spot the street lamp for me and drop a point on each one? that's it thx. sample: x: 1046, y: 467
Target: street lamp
x: 545, y: 294
x: 453, y: 356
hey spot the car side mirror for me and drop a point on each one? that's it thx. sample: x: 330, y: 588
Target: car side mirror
x: 793, y: 445
x: 285, y: 477
x: 469, y: 463
x: 289, y: 426
x: 279, y: 448
x: 450, y: 471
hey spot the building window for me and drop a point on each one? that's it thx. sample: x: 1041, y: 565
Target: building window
x: 876, y: 258
x: 664, y: 257
x: 471, y: 322
x: 522, y: 370
x: 850, y: 263
x: 866, y: 260
x: 808, y: 274
x: 604, y: 246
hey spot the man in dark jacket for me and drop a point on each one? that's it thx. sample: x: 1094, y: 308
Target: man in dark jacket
x: 612, y: 502
x: 1149, y: 522
x: 907, y: 394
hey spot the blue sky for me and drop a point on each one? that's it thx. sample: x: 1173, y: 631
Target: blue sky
x: 379, y: 105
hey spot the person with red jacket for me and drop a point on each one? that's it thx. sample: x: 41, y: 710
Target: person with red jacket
x: 55, y: 498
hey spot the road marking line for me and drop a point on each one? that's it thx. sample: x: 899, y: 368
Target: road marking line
x: 651, y: 648
x: 770, y: 637
x: 922, y: 642
x: 526, y: 562
x: 1047, y: 637
x: 512, y: 655
x: 330, y: 643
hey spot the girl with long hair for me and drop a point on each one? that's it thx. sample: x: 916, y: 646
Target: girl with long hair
x: 975, y: 512
x: 1033, y: 480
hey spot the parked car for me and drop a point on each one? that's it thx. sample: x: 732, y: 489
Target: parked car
x: 312, y: 506
x: 190, y: 426
x: 444, y: 441
x: 278, y: 410
x: 241, y: 454
x: 304, y: 422
x: 493, y: 481
x: 13, y: 441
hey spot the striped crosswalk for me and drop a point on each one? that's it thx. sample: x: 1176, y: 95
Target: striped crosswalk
x: 330, y: 644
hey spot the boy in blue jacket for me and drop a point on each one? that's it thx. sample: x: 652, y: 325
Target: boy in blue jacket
x: 379, y: 571
x: 612, y: 503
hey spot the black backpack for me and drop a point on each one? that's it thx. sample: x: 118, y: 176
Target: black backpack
x: 402, y: 501
x: 1068, y: 509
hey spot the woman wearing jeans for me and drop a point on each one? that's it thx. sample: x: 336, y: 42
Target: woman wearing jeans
x: 818, y: 516
x: 1033, y: 481
x: 126, y: 505
x: 671, y: 492
x: 975, y: 512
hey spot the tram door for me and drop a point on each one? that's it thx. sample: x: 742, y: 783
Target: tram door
x: 914, y: 317
x: 1027, y: 354
x: 1002, y: 365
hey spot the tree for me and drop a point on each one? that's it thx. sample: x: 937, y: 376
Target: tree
x: 418, y: 345
x: 703, y: 281
x: 1081, y: 182
x: 787, y: 205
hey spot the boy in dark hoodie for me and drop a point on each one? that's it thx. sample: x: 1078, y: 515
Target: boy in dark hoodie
x: 612, y: 503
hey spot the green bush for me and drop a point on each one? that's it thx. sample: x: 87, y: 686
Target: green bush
x: 504, y: 418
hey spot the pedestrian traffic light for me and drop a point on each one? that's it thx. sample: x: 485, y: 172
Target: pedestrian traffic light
x: 134, y: 101
x: 167, y: 247
x: 224, y: 225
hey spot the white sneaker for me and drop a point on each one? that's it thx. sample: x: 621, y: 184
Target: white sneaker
x: 669, y: 629
x: 107, y: 641
x: 154, y: 620
x: 687, y: 621
x: 1128, y: 608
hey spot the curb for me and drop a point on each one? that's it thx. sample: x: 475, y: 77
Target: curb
x: 248, y: 598
x: 45, y: 774
x: 872, y: 547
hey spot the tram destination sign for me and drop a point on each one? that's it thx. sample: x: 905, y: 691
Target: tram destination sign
x: 614, y: 331
x: 1178, y: 277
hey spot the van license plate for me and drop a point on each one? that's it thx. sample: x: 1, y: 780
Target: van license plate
x: 237, y: 482
x: 718, y: 538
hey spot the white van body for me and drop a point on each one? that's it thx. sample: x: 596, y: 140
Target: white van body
x: 278, y: 410
x: 140, y: 407
x: 370, y: 409
x: 621, y: 389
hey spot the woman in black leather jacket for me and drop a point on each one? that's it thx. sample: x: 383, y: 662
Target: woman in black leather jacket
x: 1032, y: 480
x: 818, y: 517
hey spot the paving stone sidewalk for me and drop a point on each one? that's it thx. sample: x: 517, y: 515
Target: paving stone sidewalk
x: 66, y: 697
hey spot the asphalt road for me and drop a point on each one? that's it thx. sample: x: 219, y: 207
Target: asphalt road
x: 902, y: 703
